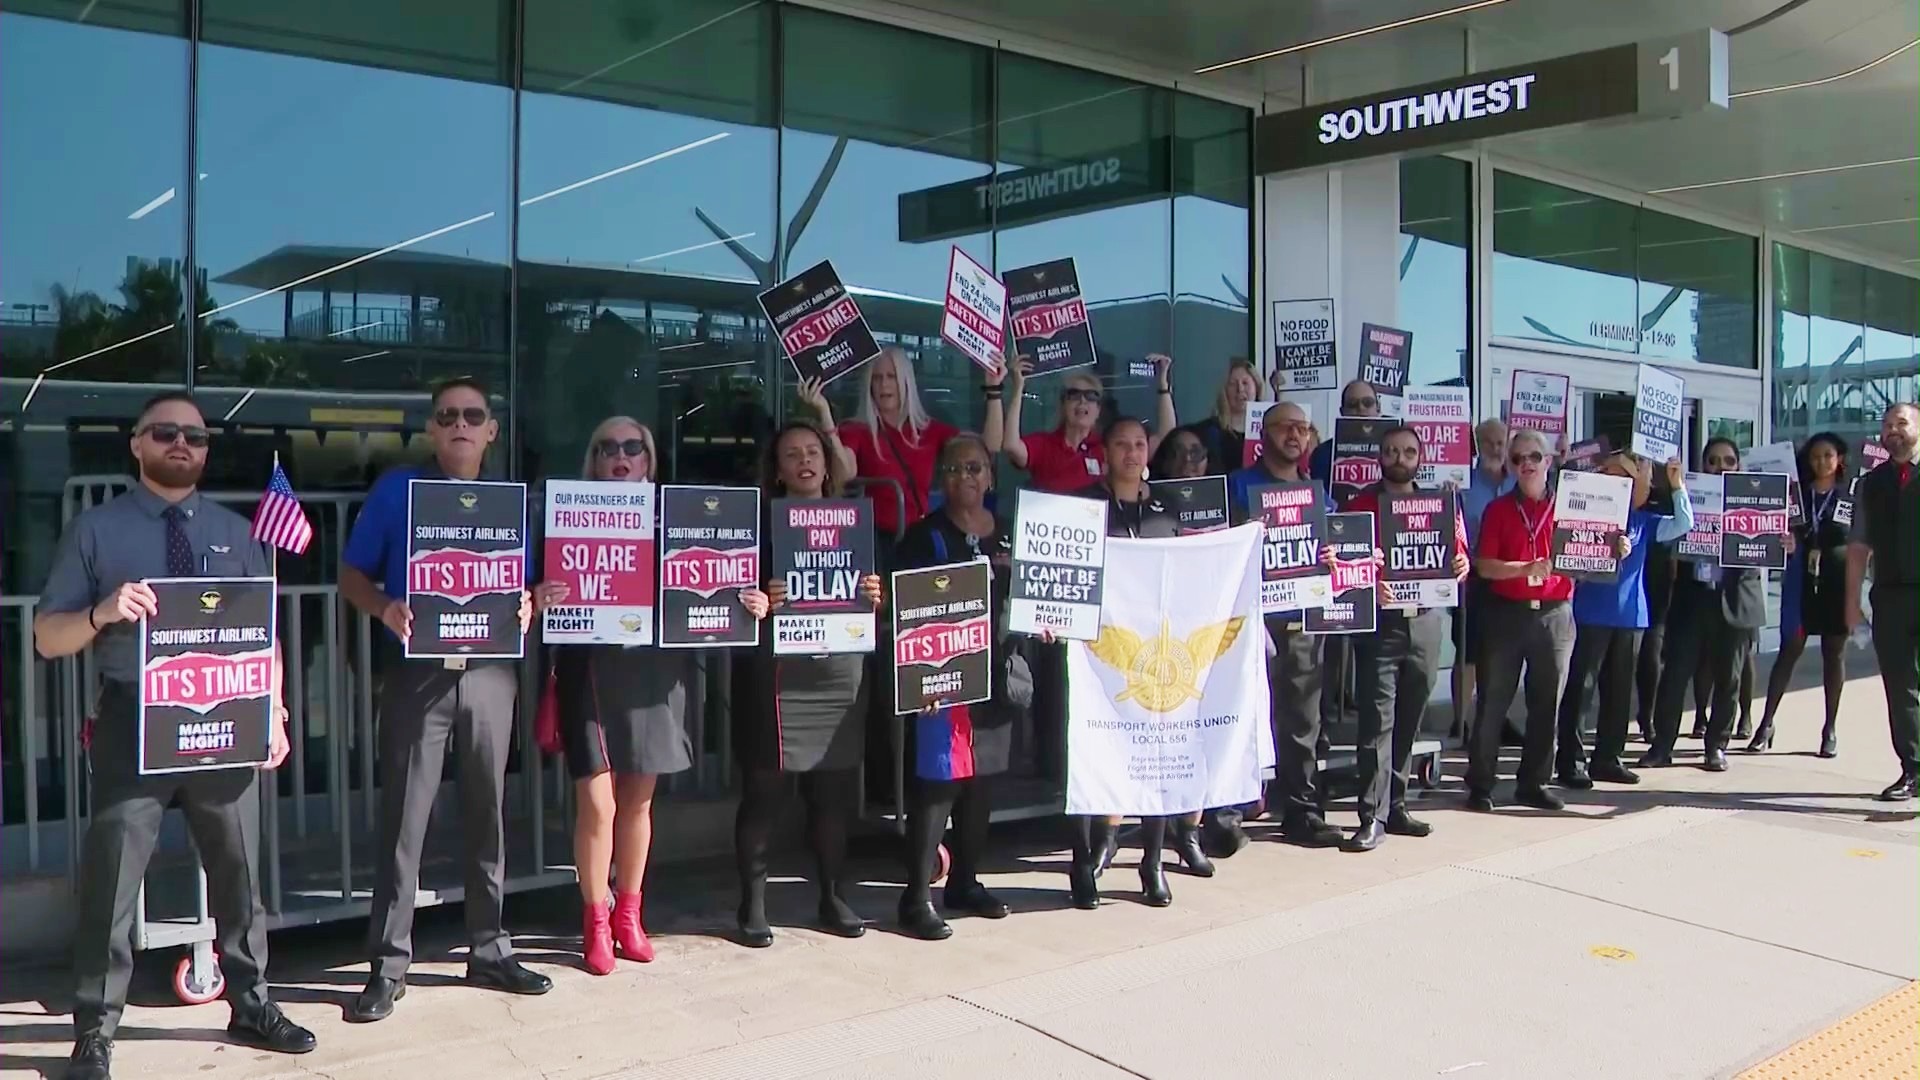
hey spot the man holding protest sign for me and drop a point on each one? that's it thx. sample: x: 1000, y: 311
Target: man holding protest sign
x: 97, y: 594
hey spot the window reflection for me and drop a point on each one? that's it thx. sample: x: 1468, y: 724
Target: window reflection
x: 1436, y: 229
x: 1213, y: 182
x: 1844, y: 344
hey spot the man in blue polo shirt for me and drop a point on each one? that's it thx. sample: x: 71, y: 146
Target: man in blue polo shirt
x: 423, y: 704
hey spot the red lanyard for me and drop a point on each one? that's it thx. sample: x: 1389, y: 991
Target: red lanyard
x: 1533, y: 530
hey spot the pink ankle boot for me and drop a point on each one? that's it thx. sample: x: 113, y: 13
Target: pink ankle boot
x: 596, y: 939
x: 626, y: 928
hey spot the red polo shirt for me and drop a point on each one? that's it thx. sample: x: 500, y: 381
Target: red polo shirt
x: 896, y: 456
x: 1058, y: 466
x: 1521, y: 530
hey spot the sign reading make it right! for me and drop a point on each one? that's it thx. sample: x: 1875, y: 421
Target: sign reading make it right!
x: 1049, y: 315
x: 1303, y: 356
x: 821, y: 329
x: 1753, y: 521
x: 206, y: 674
x: 466, y: 568
x: 1659, y: 404
x: 1059, y: 556
x: 975, y: 321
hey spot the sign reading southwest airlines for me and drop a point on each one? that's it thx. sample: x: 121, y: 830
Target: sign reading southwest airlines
x: 1650, y: 78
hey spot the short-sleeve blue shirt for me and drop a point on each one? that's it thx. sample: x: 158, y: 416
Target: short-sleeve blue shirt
x: 377, y: 545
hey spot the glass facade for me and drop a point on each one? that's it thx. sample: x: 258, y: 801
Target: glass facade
x: 1571, y: 268
x: 1436, y: 268
x: 1846, y: 344
x: 311, y: 213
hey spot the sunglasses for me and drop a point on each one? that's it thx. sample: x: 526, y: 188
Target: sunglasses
x: 449, y: 417
x: 1080, y: 395
x: 964, y: 468
x: 1294, y: 427
x: 628, y: 447
x: 167, y: 434
x: 1531, y: 457
x: 1354, y: 405
x: 1724, y: 462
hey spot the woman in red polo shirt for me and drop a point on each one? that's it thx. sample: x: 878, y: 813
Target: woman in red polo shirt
x: 1529, y: 623
x: 1070, y: 456
x: 893, y: 438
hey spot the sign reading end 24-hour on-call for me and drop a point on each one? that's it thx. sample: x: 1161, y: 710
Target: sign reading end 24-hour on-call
x: 1666, y: 77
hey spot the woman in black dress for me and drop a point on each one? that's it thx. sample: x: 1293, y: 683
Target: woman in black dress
x: 1813, y: 593
x: 1131, y: 511
x: 798, y: 714
x: 956, y: 750
x: 623, y: 722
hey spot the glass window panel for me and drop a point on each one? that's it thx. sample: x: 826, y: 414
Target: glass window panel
x: 352, y: 212
x: 646, y: 231
x: 886, y: 166
x: 1835, y: 336
x: 1792, y: 324
x: 1213, y: 183
x: 1562, y: 266
x: 1888, y: 364
x: 1118, y: 232
x: 1436, y: 231
x: 1696, y: 291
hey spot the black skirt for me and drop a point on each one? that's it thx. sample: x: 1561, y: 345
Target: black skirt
x: 623, y: 709
x: 799, y: 713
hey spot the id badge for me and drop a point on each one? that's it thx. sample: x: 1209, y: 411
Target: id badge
x: 1093, y: 467
x: 1535, y: 582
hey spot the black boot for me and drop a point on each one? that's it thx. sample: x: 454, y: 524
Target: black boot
x: 755, y: 933
x: 926, y: 824
x: 1186, y: 844
x: 1106, y: 849
x: 1153, y: 875
x: 752, y: 828
x: 1089, y: 839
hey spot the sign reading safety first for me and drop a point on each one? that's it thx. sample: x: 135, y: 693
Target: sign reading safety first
x: 466, y: 568
x: 599, y: 543
x: 206, y: 674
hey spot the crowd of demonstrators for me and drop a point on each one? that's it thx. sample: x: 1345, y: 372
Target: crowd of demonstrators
x: 1579, y: 650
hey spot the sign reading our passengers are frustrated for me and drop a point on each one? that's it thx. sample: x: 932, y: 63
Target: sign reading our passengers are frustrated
x: 599, y: 543
x: 1059, y: 556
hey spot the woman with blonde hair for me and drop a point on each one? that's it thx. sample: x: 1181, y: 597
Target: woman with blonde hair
x: 1224, y: 434
x: 623, y: 722
x: 893, y: 438
x: 1072, y: 455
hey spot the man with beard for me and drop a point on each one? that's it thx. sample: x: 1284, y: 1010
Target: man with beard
x: 1886, y: 532
x: 423, y: 705
x: 1716, y: 613
x: 1293, y: 676
x: 96, y: 595
x: 1395, y: 667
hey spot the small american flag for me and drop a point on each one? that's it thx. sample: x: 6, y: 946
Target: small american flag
x: 280, y: 521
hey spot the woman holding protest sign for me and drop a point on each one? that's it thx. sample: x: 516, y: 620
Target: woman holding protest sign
x: 1813, y: 593
x: 893, y: 438
x: 798, y: 714
x: 1224, y: 434
x: 620, y: 715
x: 954, y: 750
x: 1072, y: 454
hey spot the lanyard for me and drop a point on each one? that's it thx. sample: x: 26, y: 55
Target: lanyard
x: 1533, y: 528
x: 1817, y: 512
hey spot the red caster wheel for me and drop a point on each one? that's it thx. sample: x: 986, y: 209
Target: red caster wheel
x: 197, y: 987
x: 942, y: 862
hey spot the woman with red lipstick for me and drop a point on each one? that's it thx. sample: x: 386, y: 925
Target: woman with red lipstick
x: 894, y: 438
x: 798, y: 714
x: 623, y: 722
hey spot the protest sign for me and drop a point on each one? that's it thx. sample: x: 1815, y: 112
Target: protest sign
x: 599, y: 543
x: 942, y: 635
x: 975, y: 321
x: 1780, y: 458
x: 206, y: 674
x: 1293, y: 520
x: 1356, y: 455
x: 1537, y: 401
x: 1303, y: 354
x: 1659, y: 406
x: 1200, y: 503
x: 466, y: 568
x: 1353, y: 606
x: 1419, y: 533
x: 1589, y: 515
x: 709, y: 553
x: 1059, y: 552
x: 1385, y: 353
x: 1049, y: 315
x: 1586, y: 455
x: 1702, y: 542
x: 1872, y: 455
x: 821, y: 329
x: 1753, y: 521
x: 821, y: 549
x: 1443, y: 418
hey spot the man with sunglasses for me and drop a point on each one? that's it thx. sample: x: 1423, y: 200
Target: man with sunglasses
x: 424, y: 704
x: 96, y: 595
x: 1529, y: 626
x: 1886, y: 533
x: 1716, y: 614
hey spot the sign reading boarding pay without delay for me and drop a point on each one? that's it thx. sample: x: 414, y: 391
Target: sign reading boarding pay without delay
x: 1059, y: 555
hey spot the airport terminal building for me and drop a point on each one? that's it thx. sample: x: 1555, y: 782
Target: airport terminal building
x: 309, y: 213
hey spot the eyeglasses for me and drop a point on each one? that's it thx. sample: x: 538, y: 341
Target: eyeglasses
x: 167, y: 433
x: 628, y: 447
x: 964, y: 468
x: 1294, y: 427
x: 1354, y: 405
x: 472, y: 415
x: 1080, y: 395
x: 1531, y: 457
x: 1724, y: 462
x: 1194, y: 453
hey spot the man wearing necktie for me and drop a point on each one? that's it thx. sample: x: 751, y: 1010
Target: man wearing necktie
x: 1886, y: 533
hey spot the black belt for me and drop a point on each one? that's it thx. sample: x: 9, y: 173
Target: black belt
x: 1532, y: 605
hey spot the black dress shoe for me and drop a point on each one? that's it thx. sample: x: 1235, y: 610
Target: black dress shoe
x: 1082, y: 888
x: 1715, y: 761
x: 1310, y: 830
x: 1612, y: 772
x: 838, y: 919
x: 1480, y: 802
x: 1366, y: 837
x: 1743, y: 730
x: 265, y: 1027
x: 1699, y: 730
x: 92, y: 1059
x: 1186, y: 844
x: 1401, y: 823
x: 1655, y: 759
x: 376, y: 1001
x: 1539, y: 799
x: 1153, y: 884
x: 973, y: 898
x: 1221, y: 838
x: 755, y: 933
x: 1900, y: 790
x: 918, y: 919
x: 508, y: 976
x: 1577, y: 778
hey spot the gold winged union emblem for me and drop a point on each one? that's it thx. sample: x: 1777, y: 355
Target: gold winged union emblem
x: 1164, y: 672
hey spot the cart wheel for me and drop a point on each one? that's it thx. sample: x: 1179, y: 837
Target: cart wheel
x: 942, y: 862
x: 197, y: 987
x: 1430, y: 772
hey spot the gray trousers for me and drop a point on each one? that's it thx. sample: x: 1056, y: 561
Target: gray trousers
x: 423, y: 706
x: 1540, y: 641
x: 1394, y: 673
x: 1896, y: 640
x: 1293, y: 688
x: 223, y: 815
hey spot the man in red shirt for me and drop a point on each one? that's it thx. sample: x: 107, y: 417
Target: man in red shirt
x: 1529, y: 623
x: 1395, y: 667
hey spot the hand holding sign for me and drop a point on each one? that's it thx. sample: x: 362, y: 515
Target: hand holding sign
x: 130, y: 602
x: 755, y: 602
x: 398, y: 617
x: 870, y: 589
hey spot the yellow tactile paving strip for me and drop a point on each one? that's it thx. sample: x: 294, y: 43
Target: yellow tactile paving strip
x: 1880, y: 1042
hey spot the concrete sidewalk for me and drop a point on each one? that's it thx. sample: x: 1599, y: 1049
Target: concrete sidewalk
x: 1687, y: 928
